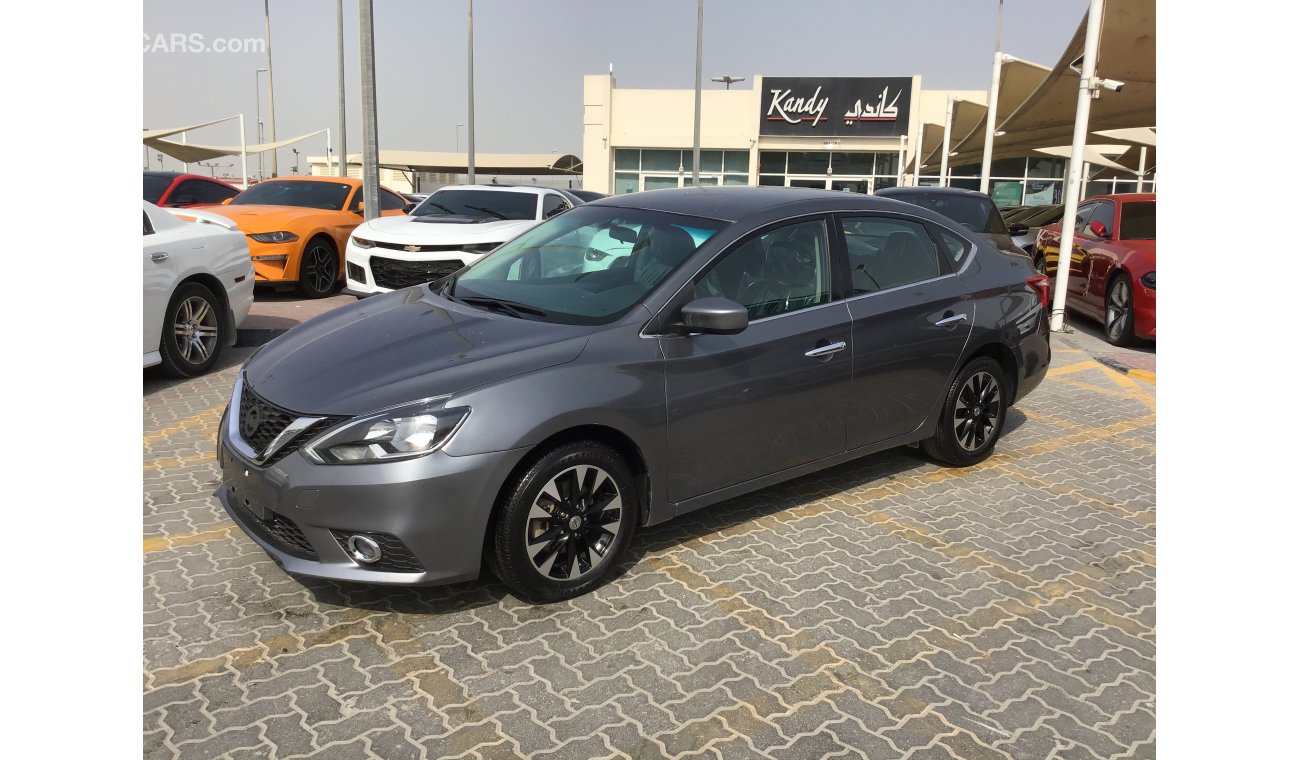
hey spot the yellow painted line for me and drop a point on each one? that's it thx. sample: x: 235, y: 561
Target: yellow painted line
x: 1085, y: 497
x: 163, y: 543
x: 160, y: 464
x: 1069, y: 369
x: 207, y: 416
x: 1143, y: 374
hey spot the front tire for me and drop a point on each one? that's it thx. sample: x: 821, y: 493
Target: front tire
x: 318, y: 274
x: 193, y: 334
x: 562, y: 524
x: 973, y: 415
x: 1119, y: 311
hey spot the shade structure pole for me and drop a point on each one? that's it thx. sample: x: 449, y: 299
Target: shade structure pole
x: 947, y: 144
x: 343, y: 104
x: 369, y: 125
x: 243, y: 151
x: 270, y: 87
x: 1075, y: 174
x: 1142, y: 166
x: 183, y: 142
x: 916, y: 157
x: 469, y: 122
x: 329, y: 151
x: 991, y: 119
x: 902, y: 158
x: 699, y: 53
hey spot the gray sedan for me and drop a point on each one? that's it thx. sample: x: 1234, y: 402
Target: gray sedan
x: 625, y: 362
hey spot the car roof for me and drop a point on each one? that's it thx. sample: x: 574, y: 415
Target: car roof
x: 533, y: 189
x: 1124, y: 197
x: 889, y: 191
x: 311, y: 178
x: 734, y: 204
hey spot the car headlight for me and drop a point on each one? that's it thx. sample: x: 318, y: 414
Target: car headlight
x: 1149, y: 280
x: 282, y: 236
x: 361, y: 242
x: 401, y: 432
x: 479, y: 247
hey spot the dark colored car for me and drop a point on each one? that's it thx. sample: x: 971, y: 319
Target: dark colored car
x: 1113, y: 266
x: 181, y: 190
x: 715, y: 342
x: 588, y: 195
x: 971, y: 209
x: 1034, y: 219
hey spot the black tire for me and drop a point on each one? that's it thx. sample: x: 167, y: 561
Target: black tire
x: 318, y: 273
x: 193, y: 332
x: 973, y: 415
x: 1118, y: 314
x: 538, y: 572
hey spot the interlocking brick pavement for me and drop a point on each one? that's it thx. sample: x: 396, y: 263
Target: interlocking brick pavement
x: 883, y: 608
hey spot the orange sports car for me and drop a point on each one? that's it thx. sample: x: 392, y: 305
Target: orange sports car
x: 298, y: 227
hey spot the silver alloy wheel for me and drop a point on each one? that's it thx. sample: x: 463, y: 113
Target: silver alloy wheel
x: 196, y: 329
x: 573, y: 522
x: 1117, y: 309
x: 319, y: 268
x: 979, y: 406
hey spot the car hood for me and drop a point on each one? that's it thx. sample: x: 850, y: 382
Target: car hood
x: 410, y: 229
x: 258, y: 218
x: 399, y: 347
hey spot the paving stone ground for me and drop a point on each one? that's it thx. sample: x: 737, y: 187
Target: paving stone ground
x: 886, y: 608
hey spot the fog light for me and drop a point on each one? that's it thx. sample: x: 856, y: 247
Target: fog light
x: 363, y: 549
x: 355, y: 272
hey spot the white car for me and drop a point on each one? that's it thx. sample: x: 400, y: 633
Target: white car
x: 198, y: 287
x: 450, y: 229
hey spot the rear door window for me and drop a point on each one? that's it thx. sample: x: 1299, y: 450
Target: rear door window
x: 885, y: 253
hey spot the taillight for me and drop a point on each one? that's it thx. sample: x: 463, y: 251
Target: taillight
x: 1043, y: 284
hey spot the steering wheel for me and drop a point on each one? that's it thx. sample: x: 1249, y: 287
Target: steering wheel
x: 764, y: 297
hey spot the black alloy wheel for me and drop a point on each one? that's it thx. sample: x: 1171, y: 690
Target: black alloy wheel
x: 560, y: 527
x: 1119, y: 312
x: 973, y: 415
x: 319, y: 272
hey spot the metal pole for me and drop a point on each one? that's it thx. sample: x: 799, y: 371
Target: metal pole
x: 947, y: 143
x: 369, y: 126
x: 186, y: 164
x: 329, y: 149
x: 270, y: 84
x: 243, y: 150
x: 470, y: 121
x: 699, y: 54
x: 1142, y: 166
x: 916, y: 156
x: 1072, y: 185
x: 902, y: 158
x: 343, y: 104
x: 991, y: 120
x: 257, y: 86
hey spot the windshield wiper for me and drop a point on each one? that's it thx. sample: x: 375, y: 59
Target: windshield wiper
x: 512, y: 308
x: 439, y: 205
x: 497, y: 214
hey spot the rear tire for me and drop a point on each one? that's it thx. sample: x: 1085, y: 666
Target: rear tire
x: 1119, y: 311
x: 193, y: 331
x: 318, y: 272
x: 973, y: 415
x: 562, y: 524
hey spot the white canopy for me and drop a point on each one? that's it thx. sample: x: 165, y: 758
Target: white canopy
x: 192, y: 152
x: 153, y: 134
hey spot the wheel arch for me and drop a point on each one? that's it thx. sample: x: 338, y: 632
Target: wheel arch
x: 1004, y: 356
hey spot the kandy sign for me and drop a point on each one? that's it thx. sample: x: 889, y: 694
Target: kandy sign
x: 836, y: 107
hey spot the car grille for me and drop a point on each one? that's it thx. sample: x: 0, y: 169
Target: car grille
x: 417, y: 248
x: 282, y: 532
x: 394, y: 274
x: 272, y: 421
x: 394, y: 555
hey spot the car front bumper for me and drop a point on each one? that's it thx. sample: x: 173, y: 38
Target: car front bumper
x: 1144, y: 312
x: 436, y: 506
x: 359, y: 270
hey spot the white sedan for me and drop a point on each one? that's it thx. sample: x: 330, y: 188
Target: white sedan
x: 450, y: 229
x: 198, y: 287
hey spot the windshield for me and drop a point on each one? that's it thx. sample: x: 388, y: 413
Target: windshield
x: 970, y: 211
x: 493, y: 204
x: 1139, y: 221
x: 1043, y: 215
x: 586, y: 266
x: 154, y: 187
x: 323, y: 195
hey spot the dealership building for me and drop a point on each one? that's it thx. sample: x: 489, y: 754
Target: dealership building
x: 853, y: 134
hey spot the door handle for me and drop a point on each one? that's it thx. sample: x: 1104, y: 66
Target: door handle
x: 951, y: 320
x: 160, y: 256
x: 827, y: 350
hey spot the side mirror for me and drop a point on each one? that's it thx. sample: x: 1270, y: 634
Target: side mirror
x: 227, y: 201
x: 1017, y: 228
x: 408, y: 208
x: 715, y: 315
x: 1097, y: 229
x: 361, y: 208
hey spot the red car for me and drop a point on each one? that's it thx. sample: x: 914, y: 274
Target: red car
x: 180, y: 190
x: 1113, y: 265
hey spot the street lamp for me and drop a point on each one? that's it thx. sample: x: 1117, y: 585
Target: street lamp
x: 458, y: 126
x: 257, y: 85
x: 160, y: 163
x: 728, y: 80
x: 295, y: 160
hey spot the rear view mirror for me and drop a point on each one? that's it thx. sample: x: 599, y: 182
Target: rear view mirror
x: 1097, y: 229
x: 715, y: 315
x: 622, y: 234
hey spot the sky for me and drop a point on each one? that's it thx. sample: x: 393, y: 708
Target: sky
x: 530, y: 57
